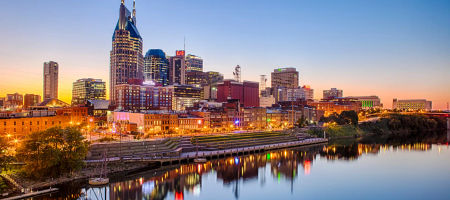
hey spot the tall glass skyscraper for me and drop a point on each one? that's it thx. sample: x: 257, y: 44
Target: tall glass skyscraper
x: 126, y: 57
x: 194, y: 63
x: 50, y: 80
x: 156, y: 67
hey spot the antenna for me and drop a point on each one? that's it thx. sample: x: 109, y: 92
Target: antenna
x: 184, y: 45
x: 134, y: 11
x: 237, y: 73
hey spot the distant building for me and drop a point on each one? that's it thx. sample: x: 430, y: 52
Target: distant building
x: 266, y: 101
x: 156, y: 67
x: 177, y: 68
x: 412, y: 104
x: 289, y: 94
x: 88, y: 89
x: 14, y: 101
x: 194, y: 63
x: 136, y: 97
x: 2, y: 102
x: 285, y: 77
x: 368, y: 102
x: 185, y: 96
x: 246, y: 92
x: 330, y: 107
x: 126, y: 59
x: 213, y: 77
x: 51, y: 80
x: 332, y: 93
x: 31, y: 100
x: 196, y: 78
x: 309, y: 92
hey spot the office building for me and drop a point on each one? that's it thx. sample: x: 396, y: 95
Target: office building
x: 185, y: 96
x: 88, y: 89
x: 309, y: 92
x: 332, y: 93
x: 177, y: 68
x: 285, y: 77
x: 412, y: 104
x: 126, y: 59
x: 246, y: 92
x: 14, y: 101
x: 194, y: 63
x: 156, y: 67
x: 50, y: 80
x: 141, y: 97
x: 31, y: 100
x: 368, y: 102
x: 196, y: 78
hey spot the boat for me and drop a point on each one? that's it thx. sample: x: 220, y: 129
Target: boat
x: 98, y: 181
x: 102, y: 179
x: 200, y: 160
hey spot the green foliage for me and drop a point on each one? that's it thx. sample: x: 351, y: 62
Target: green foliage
x: 53, y: 152
x: 4, y: 157
x: 302, y: 122
x: 399, y: 124
x: 346, y: 117
x: 3, y: 185
x: 342, y: 131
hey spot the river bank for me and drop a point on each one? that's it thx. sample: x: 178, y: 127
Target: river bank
x: 118, y: 168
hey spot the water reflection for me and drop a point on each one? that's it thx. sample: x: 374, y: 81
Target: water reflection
x: 234, y: 172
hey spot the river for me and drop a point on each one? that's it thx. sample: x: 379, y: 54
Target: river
x: 339, y: 170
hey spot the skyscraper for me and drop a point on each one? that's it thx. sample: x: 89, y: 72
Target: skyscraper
x: 194, y: 63
x: 88, y: 89
x: 177, y: 66
x: 156, y: 67
x: 50, y: 80
x: 126, y: 57
x: 284, y: 77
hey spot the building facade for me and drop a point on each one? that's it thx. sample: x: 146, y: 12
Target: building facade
x: 14, y: 101
x: 88, y: 89
x: 136, y: 98
x: 246, y: 92
x: 126, y: 59
x: 412, y: 104
x: 51, y: 69
x: 156, y: 67
x: 31, y: 100
x: 177, y: 66
x: 194, y: 63
x: 332, y: 93
x: 285, y: 77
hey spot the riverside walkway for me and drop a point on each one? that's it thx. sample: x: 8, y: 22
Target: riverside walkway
x: 186, y: 157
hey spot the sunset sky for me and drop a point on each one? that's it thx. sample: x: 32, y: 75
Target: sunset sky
x: 390, y: 48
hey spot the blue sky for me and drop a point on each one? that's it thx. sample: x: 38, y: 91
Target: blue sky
x: 392, y: 48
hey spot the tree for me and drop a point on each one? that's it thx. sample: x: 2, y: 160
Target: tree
x: 4, y: 157
x: 53, y: 152
x: 301, y: 122
x: 348, y: 117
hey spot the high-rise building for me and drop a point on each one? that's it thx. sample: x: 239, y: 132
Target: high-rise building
x: 177, y: 66
x: 88, y: 89
x: 246, y: 92
x: 194, y: 63
x: 284, y: 77
x: 184, y: 96
x: 126, y: 57
x: 332, y: 93
x: 412, y: 104
x: 196, y: 78
x: 141, y: 97
x: 309, y: 92
x: 31, y: 100
x: 50, y: 80
x: 213, y: 77
x: 156, y: 67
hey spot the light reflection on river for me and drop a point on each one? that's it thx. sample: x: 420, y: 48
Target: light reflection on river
x: 350, y: 171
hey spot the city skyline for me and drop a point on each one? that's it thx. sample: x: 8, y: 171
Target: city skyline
x: 419, y: 48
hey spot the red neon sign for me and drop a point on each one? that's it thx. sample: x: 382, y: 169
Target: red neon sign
x: 179, y: 53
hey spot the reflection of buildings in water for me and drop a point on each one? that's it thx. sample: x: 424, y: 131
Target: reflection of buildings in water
x: 412, y: 147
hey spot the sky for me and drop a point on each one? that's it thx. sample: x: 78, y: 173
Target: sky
x: 390, y: 48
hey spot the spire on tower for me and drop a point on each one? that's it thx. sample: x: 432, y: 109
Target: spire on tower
x: 134, y: 11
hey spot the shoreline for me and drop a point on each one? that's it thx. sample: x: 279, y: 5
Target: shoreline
x: 119, y: 168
